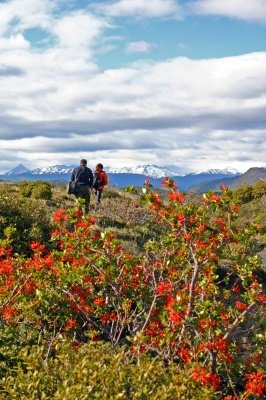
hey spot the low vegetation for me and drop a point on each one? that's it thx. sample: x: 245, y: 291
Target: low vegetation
x: 153, y: 296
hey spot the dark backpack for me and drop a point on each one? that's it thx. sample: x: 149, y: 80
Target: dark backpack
x: 97, y: 181
x: 72, y: 187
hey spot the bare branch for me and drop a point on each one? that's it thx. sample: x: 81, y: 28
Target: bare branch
x: 238, y: 320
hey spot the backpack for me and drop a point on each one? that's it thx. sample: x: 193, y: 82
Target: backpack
x: 72, y: 187
x: 99, y: 179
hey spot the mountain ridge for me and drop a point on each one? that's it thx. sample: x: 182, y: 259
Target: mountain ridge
x: 122, y: 177
x: 149, y: 170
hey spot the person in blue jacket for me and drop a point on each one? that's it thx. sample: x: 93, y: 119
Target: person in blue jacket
x: 84, y: 178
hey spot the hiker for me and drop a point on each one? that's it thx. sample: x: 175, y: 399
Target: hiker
x: 100, y: 180
x: 84, y: 179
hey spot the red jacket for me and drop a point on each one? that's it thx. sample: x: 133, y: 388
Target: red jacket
x: 101, y: 179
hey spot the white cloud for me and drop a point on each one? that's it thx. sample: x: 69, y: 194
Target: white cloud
x: 139, y: 47
x: 249, y: 10
x: 79, y: 91
x: 14, y: 42
x: 171, y: 110
x: 78, y: 30
x: 26, y: 13
x: 143, y: 8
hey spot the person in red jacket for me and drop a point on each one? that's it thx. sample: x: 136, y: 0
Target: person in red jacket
x: 100, y: 180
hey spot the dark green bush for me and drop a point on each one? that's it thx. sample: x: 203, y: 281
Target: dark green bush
x: 25, y: 188
x: 42, y: 190
x: 30, y: 219
x: 244, y: 194
x: 36, y: 190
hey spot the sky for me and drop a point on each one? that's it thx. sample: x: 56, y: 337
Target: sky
x: 176, y: 83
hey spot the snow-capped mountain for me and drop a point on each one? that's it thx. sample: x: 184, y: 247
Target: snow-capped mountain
x: 19, y: 169
x: 122, y: 177
x: 55, y: 169
x: 152, y: 171
x: 225, y: 171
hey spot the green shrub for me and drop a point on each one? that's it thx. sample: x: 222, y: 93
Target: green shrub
x: 97, y: 371
x: 25, y: 188
x: 112, y: 194
x: 12, y: 340
x: 131, y: 189
x: 29, y: 217
x: 244, y: 194
x: 259, y: 189
x: 42, y: 190
x: 36, y: 190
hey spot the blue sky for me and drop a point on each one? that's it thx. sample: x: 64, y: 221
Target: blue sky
x: 193, y: 37
x: 128, y: 82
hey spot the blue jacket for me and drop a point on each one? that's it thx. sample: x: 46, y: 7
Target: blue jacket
x: 85, y: 176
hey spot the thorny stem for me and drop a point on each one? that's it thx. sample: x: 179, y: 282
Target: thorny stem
x: 191, y: 292
x: 51, y: 342
x: 152, y: 304
x: 237, y: 321
x: 14, y: 293
x: 230, y: 381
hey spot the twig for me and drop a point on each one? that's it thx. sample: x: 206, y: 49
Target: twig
x: 152, y: 304
x: 230, y: 382
x: 239, y: 319
x: 14, y: 293
x: 51, y: 342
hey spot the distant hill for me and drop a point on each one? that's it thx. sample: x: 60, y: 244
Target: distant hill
x: 250, y: 177
x: 192, y: 180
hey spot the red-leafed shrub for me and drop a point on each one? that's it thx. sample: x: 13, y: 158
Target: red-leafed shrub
x: 192, y: 299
